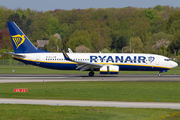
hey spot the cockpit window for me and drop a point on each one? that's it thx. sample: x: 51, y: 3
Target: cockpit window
x: 167, y: 59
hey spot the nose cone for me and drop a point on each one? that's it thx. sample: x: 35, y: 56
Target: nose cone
x: 174, y: 64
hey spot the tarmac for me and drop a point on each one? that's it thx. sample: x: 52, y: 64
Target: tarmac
x: 14, y: 78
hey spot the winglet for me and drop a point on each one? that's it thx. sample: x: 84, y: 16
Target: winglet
x: 70, y: 51
x: 65, y: 55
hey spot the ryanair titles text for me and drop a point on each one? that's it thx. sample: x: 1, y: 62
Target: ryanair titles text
x: 118, y: 59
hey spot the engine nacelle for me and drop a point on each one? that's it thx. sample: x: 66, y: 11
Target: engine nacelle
x: 110, y: 69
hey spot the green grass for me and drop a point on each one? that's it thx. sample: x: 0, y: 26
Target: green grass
x: 103, y: 90
x: 37, y: 70
x: 22, y: 112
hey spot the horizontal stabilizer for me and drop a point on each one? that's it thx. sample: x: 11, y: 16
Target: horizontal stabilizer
x: 15, y: 55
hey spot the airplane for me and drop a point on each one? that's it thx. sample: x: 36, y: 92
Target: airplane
x: 105, y: 63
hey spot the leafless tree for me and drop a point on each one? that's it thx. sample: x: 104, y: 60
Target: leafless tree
x: 82, y: 49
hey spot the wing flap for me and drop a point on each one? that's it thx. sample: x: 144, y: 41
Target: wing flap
x: 85, y: 68
x: 80, y: 66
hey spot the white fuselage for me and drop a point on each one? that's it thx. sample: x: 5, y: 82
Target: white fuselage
x: 125, y: 61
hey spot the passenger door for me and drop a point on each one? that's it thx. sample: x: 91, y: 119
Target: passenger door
x: 37, y: 60
x: 157, y: 60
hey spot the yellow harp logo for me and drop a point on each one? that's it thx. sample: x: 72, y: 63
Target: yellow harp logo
x: 18, y: 40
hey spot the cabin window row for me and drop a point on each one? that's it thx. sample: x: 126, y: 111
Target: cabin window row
x: 81, y: 59
x: 73, y: 59
x: 55, y: 59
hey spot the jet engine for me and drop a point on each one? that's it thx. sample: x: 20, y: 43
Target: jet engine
x: 110, y: 69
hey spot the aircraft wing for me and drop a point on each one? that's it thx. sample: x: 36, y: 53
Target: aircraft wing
x: 15, y: 55
x: 82, y: 65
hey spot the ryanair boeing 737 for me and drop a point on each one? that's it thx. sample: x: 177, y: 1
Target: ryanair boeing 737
x: 106, y: 63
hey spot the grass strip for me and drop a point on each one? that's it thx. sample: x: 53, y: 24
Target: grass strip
x: 103, y: 90
x: 18, y: 112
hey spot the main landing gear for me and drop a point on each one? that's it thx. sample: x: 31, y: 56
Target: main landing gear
x: 91, y: 73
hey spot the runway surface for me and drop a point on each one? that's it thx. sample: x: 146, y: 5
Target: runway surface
x: 13, y: 78
x: 92, y: 103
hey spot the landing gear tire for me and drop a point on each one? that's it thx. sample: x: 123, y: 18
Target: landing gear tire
x: 91, y: 74
x: 159, y: 75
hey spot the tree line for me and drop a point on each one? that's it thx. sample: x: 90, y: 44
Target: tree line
x: 141, y: 30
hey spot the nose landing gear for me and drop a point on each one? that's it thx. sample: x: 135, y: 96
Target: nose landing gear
x: 160, y: 74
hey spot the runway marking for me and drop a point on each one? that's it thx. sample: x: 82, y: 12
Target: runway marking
x: 92, y: 103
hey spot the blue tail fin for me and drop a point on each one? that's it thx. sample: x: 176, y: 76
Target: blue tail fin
x: 21, y: 43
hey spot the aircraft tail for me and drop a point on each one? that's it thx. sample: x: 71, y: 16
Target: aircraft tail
x: 21, y: 43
